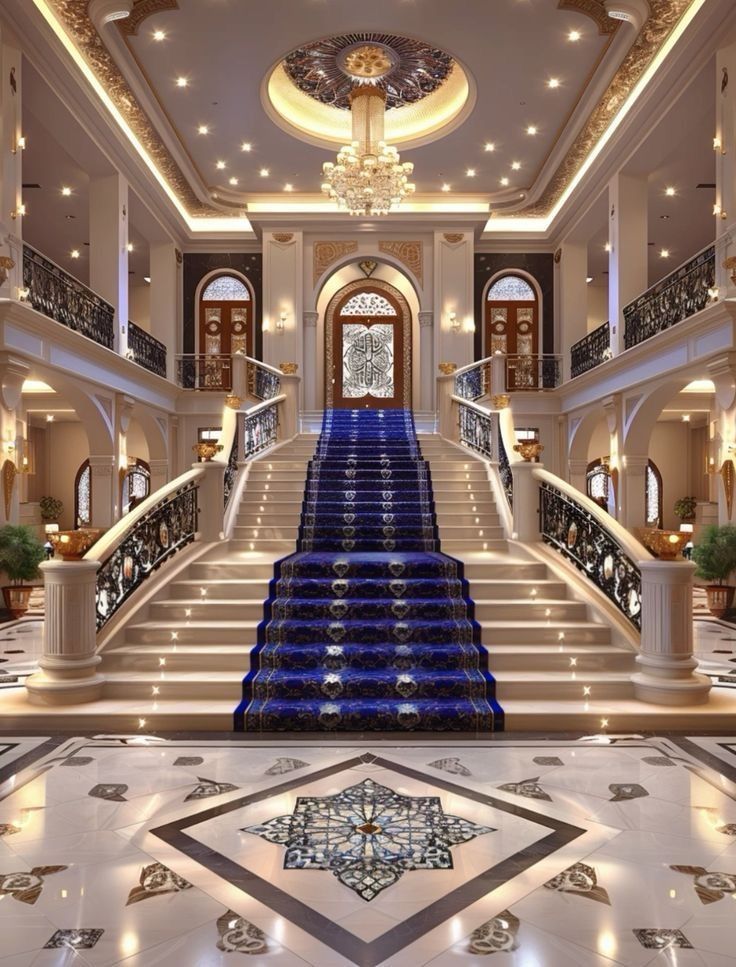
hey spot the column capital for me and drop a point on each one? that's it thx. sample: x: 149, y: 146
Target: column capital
x: 310, y: 318
x: 577, y: 466
x: 13, y: 373
x: 635, y: 463
x: 101, y: 464
x: 426, y: 318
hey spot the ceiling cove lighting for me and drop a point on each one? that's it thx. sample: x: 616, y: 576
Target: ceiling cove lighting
x: 553, y: 83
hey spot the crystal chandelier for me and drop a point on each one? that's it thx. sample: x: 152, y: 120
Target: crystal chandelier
x: 368, y: 177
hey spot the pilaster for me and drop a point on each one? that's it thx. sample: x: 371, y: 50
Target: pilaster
x: 628, y: 257
x: 108, y: 253
x: 426, y: 361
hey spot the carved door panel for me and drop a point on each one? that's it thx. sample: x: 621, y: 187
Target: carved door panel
x: 224, y: 328
x: 512, y: 328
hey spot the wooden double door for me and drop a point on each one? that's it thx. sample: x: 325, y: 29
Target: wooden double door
x: 225, y: 328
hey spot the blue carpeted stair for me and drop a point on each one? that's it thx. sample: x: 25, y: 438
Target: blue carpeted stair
x: 368, y: 626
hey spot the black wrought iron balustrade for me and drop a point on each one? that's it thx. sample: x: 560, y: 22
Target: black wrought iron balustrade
x: 231, y: 471
x: 573, y: 531
x: 532, y: 373
x: 264, y: 384
x: 476, y: 431
x: 61, y: 297
x: 504, y: 470
x: 260, y: 430
x: 590, y: 351
x: 680, y: 295
x: 204, y: 372
x: 156, y: 537
x: 146, y: 350
x: 474, y: 383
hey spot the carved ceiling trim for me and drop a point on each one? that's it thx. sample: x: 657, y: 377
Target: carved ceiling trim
x: 593, y: 9
x: 142, y: 9
x: 410, y: 253
x: 326, y: 253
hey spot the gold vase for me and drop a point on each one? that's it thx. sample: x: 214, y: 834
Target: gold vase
x: 233, y: 402
x: 289, y: 369
x: 500, y: 401
x: 206, y: 451
x: 73, y: 545
x: 447, y: 369
x: 528, y: 450
x: 666, y: 545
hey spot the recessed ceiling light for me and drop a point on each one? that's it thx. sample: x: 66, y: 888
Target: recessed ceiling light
x: 470, y: 172
x: 670, y: 191
x: 203, y: 129
x: 515, y: 165
x: 490, y: 146
x: 74, y: 253
x: 607, y: 247
x: 553, y: 82
x: 532, y: 129
x: 66, y: 192
x: 246, y: 146
x: 233, y: 180
x: 685, y: 417
x: 288, y: 187
x: 574, y: 35
x: 664, y: 217
x: 49, y: 417
x: 446, y: 187
x: 589, y: 279
x: 159, y: 35
x: 182, y: 82
x: 220, y: 165
x: 664, y: 253
x: 130, y: 246
x: 264, y: 172
x: 504, y: 181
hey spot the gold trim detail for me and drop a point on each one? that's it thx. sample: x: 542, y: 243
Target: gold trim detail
x: 500, y: 401
x: 729, y: 265
x: 289, y: 369
x: 283, y: 237
x: 9, y: 472
x: 325, y: 253
x: 141, y: 10
x: 453, y: 237
x: 593, y: 9
x: 410, y: 253
x: 447, y: 369
x: 329, y: 347
x: 233, y: 402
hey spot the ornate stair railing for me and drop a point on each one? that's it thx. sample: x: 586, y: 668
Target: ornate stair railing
x: 476, y: 428
x: 264, y: 382
x: 530, y: 373
x: 590, y: 351
x: 202, y: 371
x: 685, y: 291
x: 146, y: 350
x: 474, y: 381
x: 51, y: 290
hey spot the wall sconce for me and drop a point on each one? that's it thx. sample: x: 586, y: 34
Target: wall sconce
x: 718, y: 144
x: 281, y: 321
x: 469, y: 325
x: 19, y: 212
x: 20, y: 144
x: 454, y: 321
x: 717, y: 210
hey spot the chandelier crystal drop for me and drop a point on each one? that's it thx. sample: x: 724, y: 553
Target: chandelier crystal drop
x: 368, y: 177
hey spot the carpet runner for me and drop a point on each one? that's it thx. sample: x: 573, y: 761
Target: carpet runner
x: 368, y: 626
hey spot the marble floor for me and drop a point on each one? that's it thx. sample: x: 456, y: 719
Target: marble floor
x: 531, y: 852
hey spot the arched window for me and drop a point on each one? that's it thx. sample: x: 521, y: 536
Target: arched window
x: 512, y: 328
x: 137, y: 484
x: 653, y: 495
x: 83, y: 496
x: 598, y: 484
x: 226, y: 288
x: 368, y: 304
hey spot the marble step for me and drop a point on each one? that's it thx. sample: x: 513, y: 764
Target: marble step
x: 501, y: 566
x: 209, y: 608
x: 499, y: 632
x: 455, y: 548
x: 225, y: 685
x: 221, y: 590
x: 543, y: 658
x: 221, y: 631
x: 508, y: 588
x: 203, y: 573
x: 232, y: 658
x: 561, y: 686
x: 525, y: 609
x: 281, y: 546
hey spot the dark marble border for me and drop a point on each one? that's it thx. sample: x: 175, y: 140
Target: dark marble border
x: 45, y: 746
x: 363, y: 953
x: 709, y: 759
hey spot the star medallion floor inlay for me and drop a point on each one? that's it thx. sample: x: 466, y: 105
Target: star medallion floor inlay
x: 519, y: 852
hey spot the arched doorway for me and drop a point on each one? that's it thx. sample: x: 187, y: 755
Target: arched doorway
x: 600, y: 485
x: 512, y: 327
x: 368, y: 347
x: 225, y: 327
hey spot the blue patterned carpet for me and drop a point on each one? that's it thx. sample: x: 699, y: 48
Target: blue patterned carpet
x: 368, y: 626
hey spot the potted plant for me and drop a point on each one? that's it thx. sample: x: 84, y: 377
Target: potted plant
x: 715, y: 556
x: 685, y: 509
x: 20, y: 554
x: 51, y: 509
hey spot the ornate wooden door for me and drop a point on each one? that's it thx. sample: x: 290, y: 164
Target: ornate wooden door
x: 225, y: 327
x: 512, y: 326
x: 369, y: 351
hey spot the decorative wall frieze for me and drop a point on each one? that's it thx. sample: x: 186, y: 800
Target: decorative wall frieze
x: 310, y: 318
x: 141, y: 10
x: 283, y: 237
x: 410, y: 253
x: 426, y: 319
x: 594, y: 9
x: 326, y: 253
x: 452, y: 238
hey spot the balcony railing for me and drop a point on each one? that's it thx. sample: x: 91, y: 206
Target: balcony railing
x: 264, y: 382
x: 473, y: 383
x: 532, y: 373
x: 680, y: 295
x: 145, y: 350
x: 204, y: 372
x: 590, y: 351
x: 61, y: 297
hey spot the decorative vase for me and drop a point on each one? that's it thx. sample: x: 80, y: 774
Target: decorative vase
x: 500, y: 401
x: 16, y: 598
x: 666, y: 545
x: 289, y: 369
x: 233, y: 402
x: 73, y: 545
x: 720, y: 598
x: 206, y: 451
x: 529, y: 450
x: 447, y: 369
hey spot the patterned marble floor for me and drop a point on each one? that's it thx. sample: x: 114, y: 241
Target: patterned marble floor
x: 533, y: 853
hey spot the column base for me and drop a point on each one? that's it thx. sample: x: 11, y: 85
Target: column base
x: 670, y: 681
x: 63, y: 681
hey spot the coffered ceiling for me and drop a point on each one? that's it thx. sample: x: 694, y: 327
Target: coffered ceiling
x: 192, y: 82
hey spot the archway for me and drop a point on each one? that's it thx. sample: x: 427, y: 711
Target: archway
x: 368, y: 347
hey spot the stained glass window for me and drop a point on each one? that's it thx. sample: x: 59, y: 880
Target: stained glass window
x: 368, y: 304
x: 226, y: 288
x: 511, y: 288
x: 138, y: 483
x: 367, y: 361
x: 653, y: 496
x: 83, y: 496
x: 598, y: 481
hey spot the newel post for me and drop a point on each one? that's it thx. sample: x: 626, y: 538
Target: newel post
x: 210, y: 500
x: 666, y: 673
x: 526, y: 501
x: 289, y: 413
x: 239, y: 375
x: 446, y: 408
x: 68, y: 667
x: 498, y: 373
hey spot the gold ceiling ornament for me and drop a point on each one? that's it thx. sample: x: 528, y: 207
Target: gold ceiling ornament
x: 368, y: 61
x: 453, y: 238
x: 727, y: 476
x: 368, y: 177
x: 729, y: 265
x: 283, y: 237
x: 141, y: 10
x: 368, y: 267
x: 410, y: 253
x: 9, y: 473
x: 325, y: 253
x: 664, y: 17
x: 594, y: 9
